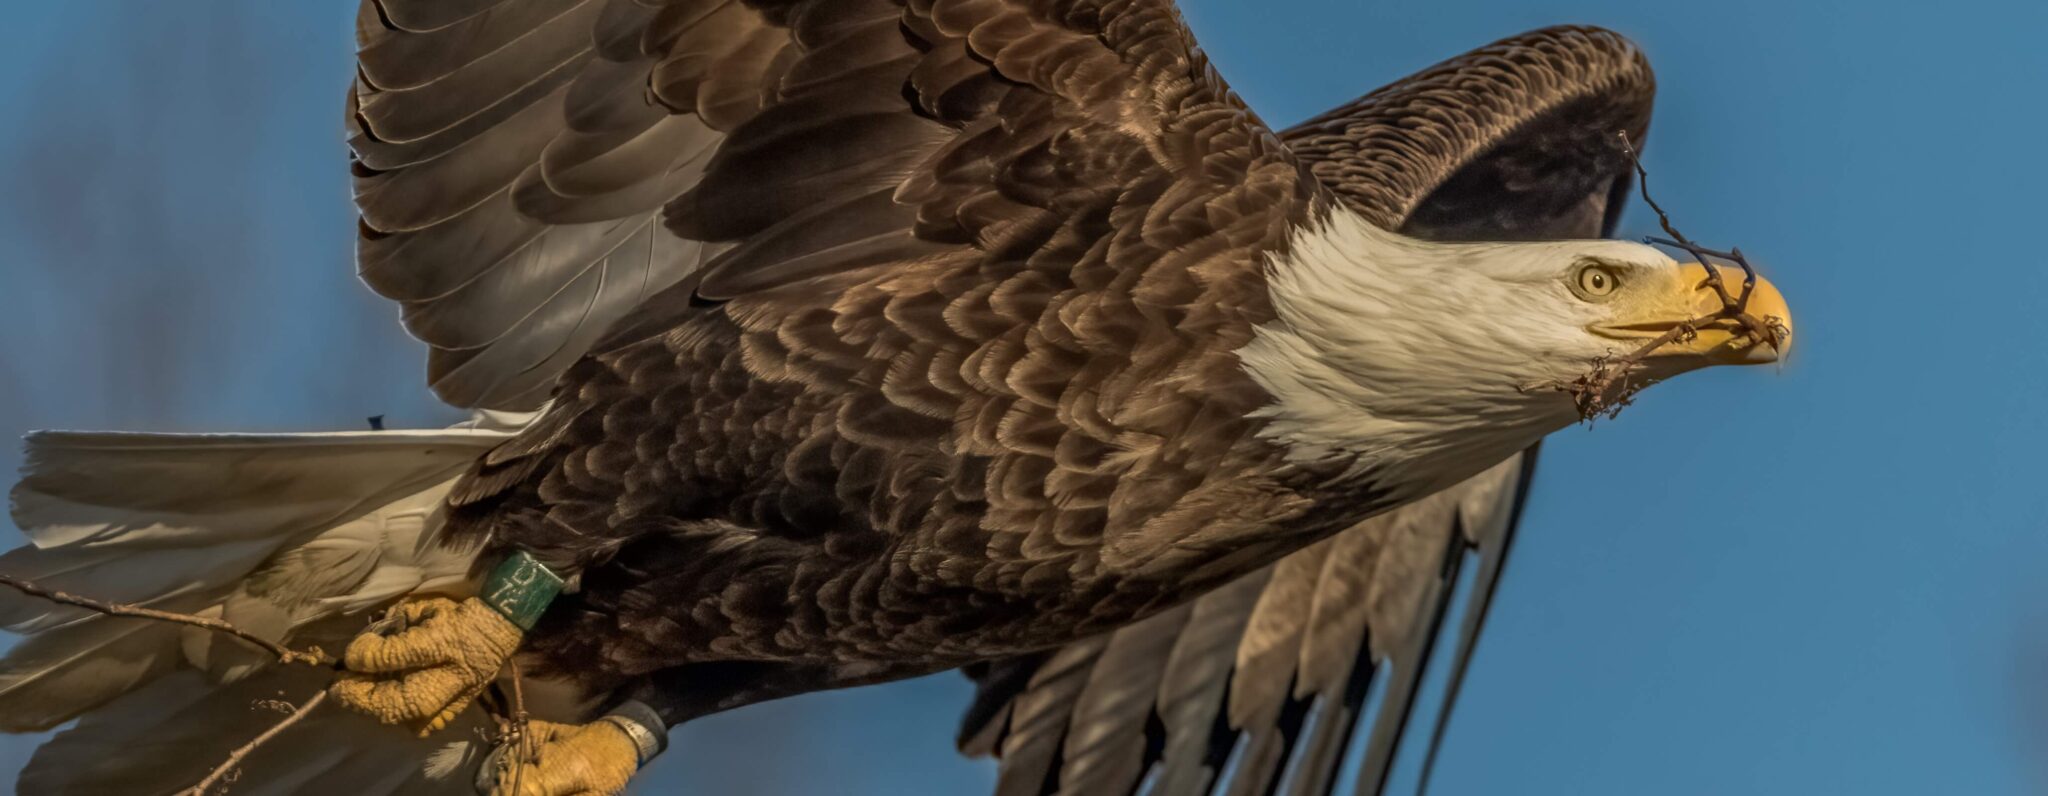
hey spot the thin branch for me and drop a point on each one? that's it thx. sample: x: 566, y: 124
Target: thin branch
x: 1732, y: 306
x: 516, y: 736
x: 1769, y: 331
x: 1643, y: 187
x: 223, y: 773
x: 1606, y: 389
x: 312, y: 657
x: 228, y: 767
x: 226, y: 771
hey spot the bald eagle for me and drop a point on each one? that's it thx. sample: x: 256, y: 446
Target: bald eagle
x: 818, y: 343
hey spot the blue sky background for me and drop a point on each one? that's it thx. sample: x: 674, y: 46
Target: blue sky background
x: 1825, y: 579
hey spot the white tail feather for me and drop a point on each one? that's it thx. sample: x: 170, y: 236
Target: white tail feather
x: 291, y: 536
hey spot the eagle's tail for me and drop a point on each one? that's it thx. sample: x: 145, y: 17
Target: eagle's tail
x: 297, y: 537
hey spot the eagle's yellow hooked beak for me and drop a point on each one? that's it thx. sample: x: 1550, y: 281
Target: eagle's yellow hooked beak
x: 1721, y: 341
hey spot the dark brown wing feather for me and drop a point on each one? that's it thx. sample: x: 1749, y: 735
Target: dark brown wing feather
x: 511, y: 164
x: 1265, y: 690
x: 1106, y: 741
x: 513, y: 157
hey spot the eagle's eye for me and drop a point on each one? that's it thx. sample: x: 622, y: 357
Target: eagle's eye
x: 1598, y: 281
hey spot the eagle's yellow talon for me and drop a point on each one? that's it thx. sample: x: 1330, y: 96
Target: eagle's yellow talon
x: 595, y: 759
x: 442, y: 657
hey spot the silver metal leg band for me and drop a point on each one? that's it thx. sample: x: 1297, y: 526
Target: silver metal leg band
x: 643, y: 725
x: 638, y: 721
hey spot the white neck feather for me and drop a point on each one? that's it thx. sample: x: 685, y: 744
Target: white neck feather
x: 1396, y: 360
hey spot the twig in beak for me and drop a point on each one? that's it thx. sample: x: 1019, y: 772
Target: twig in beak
x: 1733, y: 307
x: 1606, y: 389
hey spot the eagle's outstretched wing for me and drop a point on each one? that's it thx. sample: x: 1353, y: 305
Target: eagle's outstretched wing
x: 531, y: 171
x: 1294, y: 677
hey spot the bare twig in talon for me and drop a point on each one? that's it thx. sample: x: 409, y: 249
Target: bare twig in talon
x: 229, y: 769
x: 516, y: 731
x: 311, y: 657
x: 226, y: 771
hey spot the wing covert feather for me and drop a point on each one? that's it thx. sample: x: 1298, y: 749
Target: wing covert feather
x: 508, y: 154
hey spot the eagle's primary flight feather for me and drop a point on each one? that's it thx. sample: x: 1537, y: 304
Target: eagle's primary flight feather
x: 829, y: 342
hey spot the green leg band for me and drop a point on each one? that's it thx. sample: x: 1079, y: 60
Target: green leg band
x: 521, y: 588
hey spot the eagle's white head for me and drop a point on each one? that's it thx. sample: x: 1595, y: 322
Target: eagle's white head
x: 1416, y: 364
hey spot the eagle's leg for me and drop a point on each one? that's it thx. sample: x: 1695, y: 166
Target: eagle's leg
x: 560, y: 759
x: 433, y: 658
